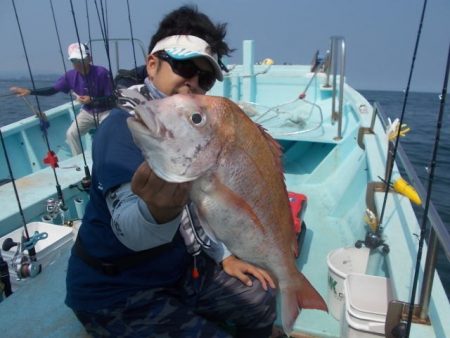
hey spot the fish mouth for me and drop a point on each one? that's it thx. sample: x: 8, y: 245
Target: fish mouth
x: 150, y: 122
x: 143, y: 112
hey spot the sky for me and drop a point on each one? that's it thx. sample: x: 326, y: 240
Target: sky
x: 380, y: 35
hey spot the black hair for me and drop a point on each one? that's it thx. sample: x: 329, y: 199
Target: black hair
x: 187, y: 20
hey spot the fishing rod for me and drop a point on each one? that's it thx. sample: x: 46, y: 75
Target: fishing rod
x: 132, y: 39
x: 88, y: 25
x: 24, y: 265
x: 432, y: 168
x: 51, y: 157
x: 373, y: 237
x: 390, y: 164
x: 82, y: 60
x: 87, y: 179
x: 103, y: 22
x: 32, y: 251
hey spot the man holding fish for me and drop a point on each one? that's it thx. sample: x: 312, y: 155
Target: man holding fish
x: 138, y: 268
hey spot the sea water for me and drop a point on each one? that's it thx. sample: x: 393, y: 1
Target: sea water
x: 420, y: 115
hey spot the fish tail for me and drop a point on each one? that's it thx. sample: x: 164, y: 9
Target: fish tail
x: 301, y: 295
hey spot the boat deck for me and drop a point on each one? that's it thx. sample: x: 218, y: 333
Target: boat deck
x: 39, y: 311
x: 36, y: 188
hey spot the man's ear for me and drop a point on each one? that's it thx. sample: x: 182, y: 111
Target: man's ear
x: 152, y: 66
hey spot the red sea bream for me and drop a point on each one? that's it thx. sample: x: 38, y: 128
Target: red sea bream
x: 237, y: 182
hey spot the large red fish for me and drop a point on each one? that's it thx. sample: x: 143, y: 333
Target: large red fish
x: 237, y: 182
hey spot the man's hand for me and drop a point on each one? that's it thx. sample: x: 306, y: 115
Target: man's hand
x: 19, y: 91
x: 240, y: 270
x: 165, y: 200
x: 84, y: 99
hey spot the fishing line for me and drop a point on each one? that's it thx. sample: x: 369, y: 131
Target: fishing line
x: 405, y: 100
x: 104, y: 30
x: 429, y: 190
x: 132, y: 39
x: 41, y: 116
x: 32, y: 250
x: 43, y: 129
x: 86, y: 168
x: 89, y: 26
x: 25, y: 52
x: 95, y: 115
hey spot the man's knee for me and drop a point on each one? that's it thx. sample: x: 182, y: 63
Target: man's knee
x: 260, y: 311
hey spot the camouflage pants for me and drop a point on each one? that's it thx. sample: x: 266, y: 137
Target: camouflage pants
x: 214, y: 305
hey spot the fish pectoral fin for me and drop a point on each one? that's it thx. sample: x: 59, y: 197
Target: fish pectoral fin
x: 236, y: 201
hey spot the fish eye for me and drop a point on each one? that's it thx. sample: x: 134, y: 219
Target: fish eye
x: 197, y: 118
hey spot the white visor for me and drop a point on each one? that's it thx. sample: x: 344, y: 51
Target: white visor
x: 184, y: 47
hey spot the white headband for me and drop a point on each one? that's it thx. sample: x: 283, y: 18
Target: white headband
x: 184, y: 47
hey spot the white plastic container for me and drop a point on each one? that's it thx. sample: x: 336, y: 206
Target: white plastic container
x: 342, y: 262
x: 366, y: 302
x: 47, y: 250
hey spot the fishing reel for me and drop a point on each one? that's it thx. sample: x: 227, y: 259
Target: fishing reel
x: 55, y: 211
x: 24, y: 267
x: 24, y: 264
x: 84, y: 185
x: 373, y: 240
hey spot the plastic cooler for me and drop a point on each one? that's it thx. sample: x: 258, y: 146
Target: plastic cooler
x: 366, y: 302
x: 342, y: 262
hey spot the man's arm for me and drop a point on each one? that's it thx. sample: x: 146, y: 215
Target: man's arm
x: 46, y: 91
x: 133, y: 224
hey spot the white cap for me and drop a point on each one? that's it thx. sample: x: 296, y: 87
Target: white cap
x: 78, y: 51
x: 184, y: 47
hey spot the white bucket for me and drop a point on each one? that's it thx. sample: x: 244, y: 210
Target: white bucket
x: 366, y: 304
x: 341, y: 262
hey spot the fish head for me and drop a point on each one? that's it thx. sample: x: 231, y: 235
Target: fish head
x: 181, y: 136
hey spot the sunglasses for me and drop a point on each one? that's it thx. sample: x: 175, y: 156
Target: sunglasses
x: 78, y: 61
x: 188, y: 69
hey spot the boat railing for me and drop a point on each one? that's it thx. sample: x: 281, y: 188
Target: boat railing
x: 337, y: 63
x: 438, y: 232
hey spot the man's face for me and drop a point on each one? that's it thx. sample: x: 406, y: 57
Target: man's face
x: 161, y: 73
x: 81, y: 66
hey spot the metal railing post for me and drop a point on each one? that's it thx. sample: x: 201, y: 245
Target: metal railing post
x: 428, y: 275
x: 338, y: 61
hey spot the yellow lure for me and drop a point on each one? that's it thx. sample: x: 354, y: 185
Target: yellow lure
x: 404, y: 188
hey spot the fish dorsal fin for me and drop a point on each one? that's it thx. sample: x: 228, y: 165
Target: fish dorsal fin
x: 273, y: 145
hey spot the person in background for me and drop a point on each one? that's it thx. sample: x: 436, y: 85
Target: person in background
x: 142, y: 266
x: 91, y: 85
